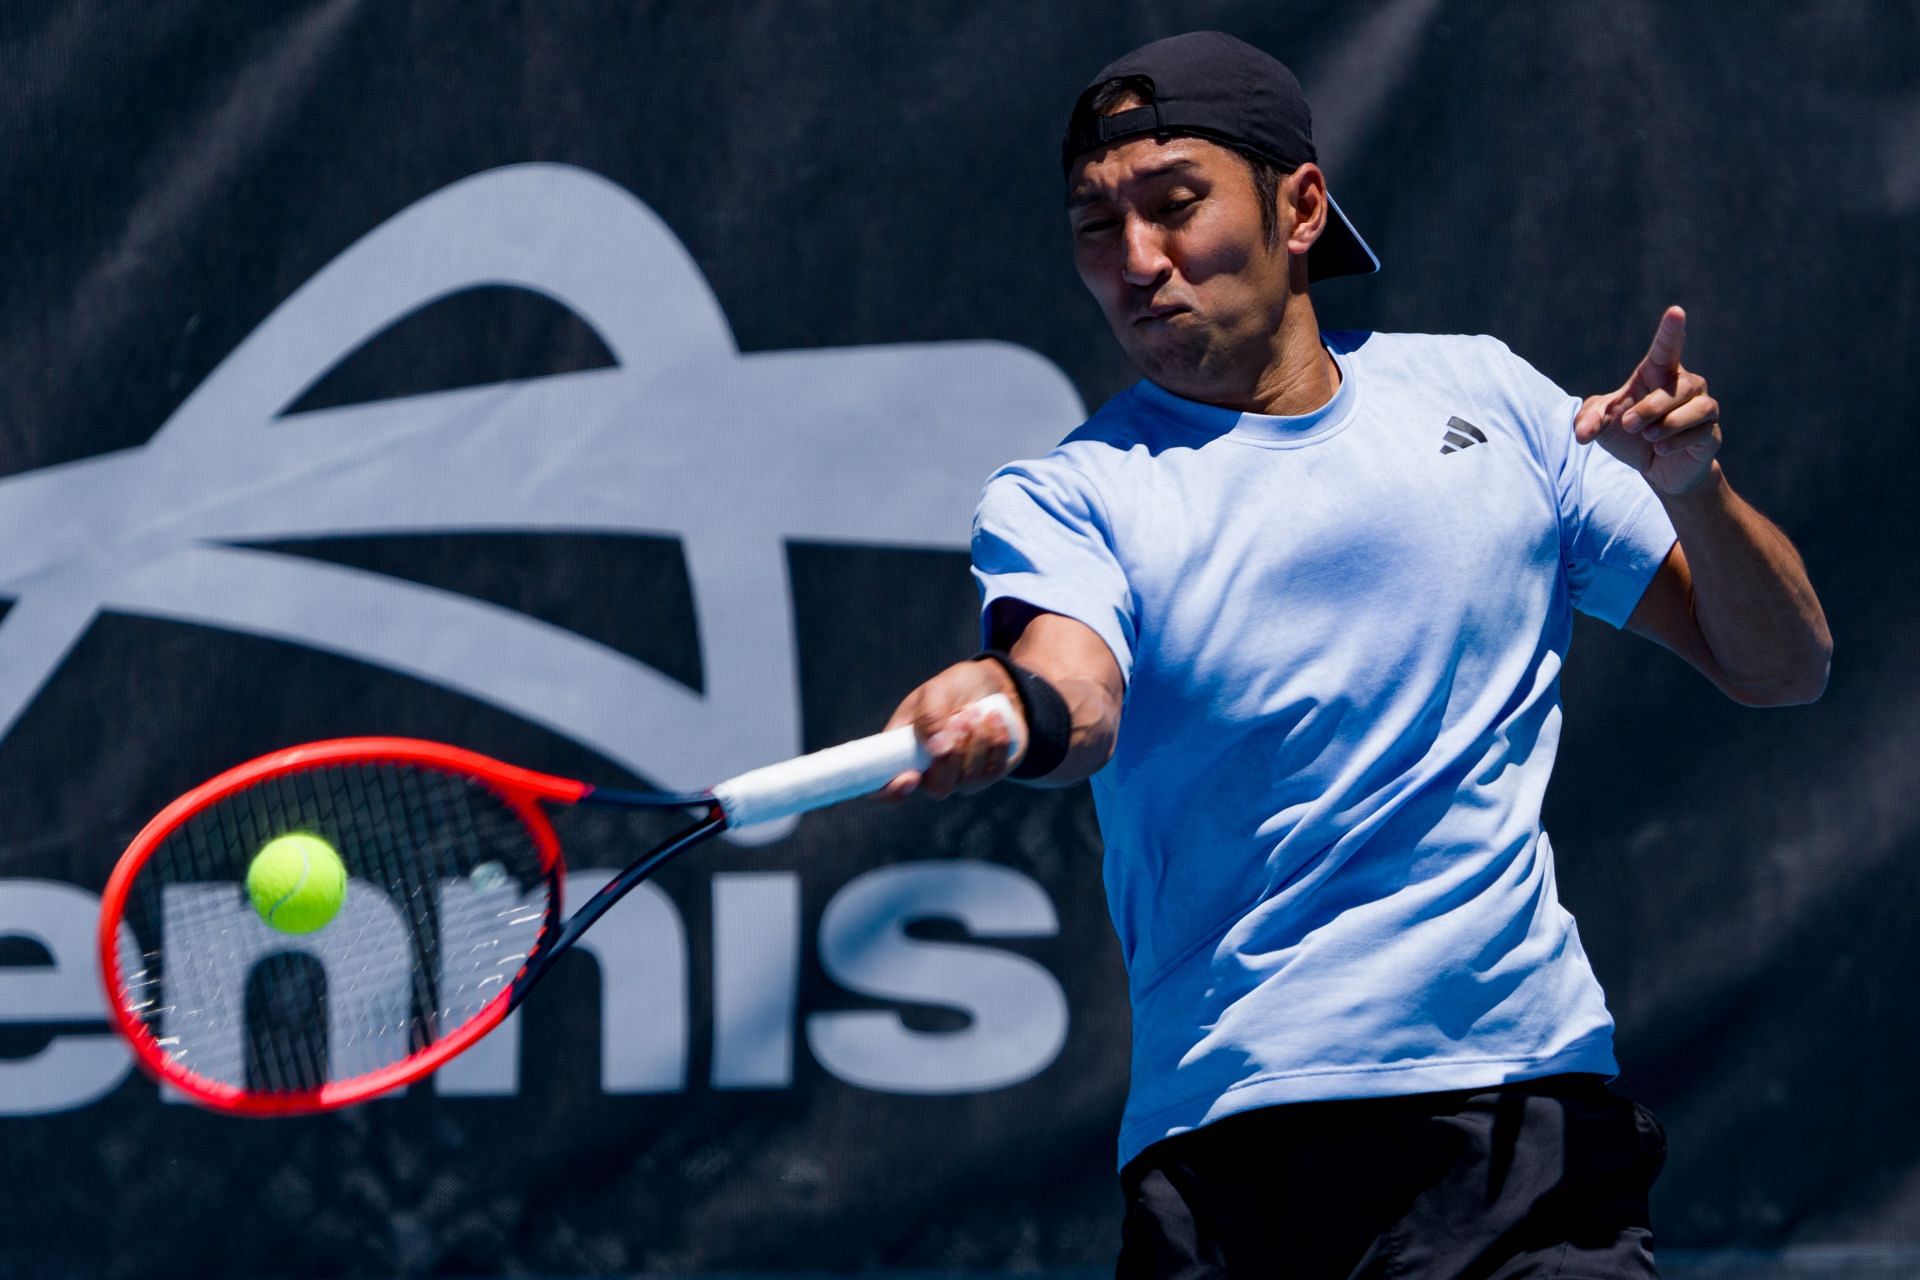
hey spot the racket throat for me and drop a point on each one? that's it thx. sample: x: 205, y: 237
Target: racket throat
x: 711, y: 824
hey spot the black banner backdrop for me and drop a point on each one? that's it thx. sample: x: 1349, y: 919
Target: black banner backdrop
x: 605, y: 388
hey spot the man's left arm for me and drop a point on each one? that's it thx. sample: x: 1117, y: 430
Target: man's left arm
x: 1732, y: 597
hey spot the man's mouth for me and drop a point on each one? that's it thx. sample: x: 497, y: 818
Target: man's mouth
x: 1158, y: 313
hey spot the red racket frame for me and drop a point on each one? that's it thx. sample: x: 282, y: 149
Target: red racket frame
x: 521, y: 789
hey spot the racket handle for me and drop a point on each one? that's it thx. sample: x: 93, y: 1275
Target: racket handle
x: 839, y: 773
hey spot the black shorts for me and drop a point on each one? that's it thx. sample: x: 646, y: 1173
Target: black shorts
x: 1545, y: 1179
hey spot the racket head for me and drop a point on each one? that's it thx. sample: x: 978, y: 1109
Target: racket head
x: 455, y: 879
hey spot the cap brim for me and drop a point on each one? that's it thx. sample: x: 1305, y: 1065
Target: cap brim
x: 1339, y: 251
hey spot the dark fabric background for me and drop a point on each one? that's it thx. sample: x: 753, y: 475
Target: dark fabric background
x: 850, y: 173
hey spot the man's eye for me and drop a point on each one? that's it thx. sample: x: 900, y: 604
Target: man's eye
x: 1175, y: 206
x: 1095, y: 226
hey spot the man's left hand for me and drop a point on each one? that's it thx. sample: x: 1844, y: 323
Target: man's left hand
x: 1661, y: 422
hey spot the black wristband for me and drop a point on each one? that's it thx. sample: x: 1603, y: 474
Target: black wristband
x: 1049, y: 723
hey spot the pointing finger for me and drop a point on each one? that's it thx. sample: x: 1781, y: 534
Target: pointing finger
x: 1663, y: 357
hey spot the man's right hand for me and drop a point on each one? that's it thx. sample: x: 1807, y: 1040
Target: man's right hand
x: 970, y: 750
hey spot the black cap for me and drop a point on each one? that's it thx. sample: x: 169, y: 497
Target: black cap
x: 1211, y: 85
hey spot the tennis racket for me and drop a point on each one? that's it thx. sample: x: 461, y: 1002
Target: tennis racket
x: 451, y: 915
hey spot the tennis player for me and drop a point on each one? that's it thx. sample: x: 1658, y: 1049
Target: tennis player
x: 1297, y: 604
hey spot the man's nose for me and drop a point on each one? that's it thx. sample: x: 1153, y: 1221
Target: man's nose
x: 1146, y: 257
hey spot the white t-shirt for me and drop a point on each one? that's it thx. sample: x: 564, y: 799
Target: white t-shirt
x: 1342, y: 634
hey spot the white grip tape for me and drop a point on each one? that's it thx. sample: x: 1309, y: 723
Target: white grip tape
x: 838, y: 773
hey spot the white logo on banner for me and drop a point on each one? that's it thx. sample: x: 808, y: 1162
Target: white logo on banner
x: 687, y: 438
x: 733, y: 455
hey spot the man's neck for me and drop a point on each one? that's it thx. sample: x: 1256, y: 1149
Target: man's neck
x: 1297, y: 376
x: 1302, y: 375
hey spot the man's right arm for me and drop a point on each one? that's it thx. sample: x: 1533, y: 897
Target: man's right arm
x: 972, y: 752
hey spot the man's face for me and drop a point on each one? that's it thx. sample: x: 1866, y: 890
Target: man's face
x: 1167, y: 237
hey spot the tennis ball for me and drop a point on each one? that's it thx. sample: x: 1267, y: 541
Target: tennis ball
x: 297, y: 882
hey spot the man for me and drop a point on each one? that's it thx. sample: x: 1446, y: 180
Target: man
x: 1297, y: 604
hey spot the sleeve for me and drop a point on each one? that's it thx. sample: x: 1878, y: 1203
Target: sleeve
x: 1041, y: 536
x: 1614, y: 534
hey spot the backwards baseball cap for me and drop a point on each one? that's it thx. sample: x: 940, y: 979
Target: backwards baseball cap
x: 1209, y: 84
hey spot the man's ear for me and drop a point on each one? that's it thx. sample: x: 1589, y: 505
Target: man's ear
x: 1306, y: 209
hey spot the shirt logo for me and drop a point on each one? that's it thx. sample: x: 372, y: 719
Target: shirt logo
x: 1462, y: 434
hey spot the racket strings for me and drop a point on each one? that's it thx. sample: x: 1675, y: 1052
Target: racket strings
x: 446, y: 898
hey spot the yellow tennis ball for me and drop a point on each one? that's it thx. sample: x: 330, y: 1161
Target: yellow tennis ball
x: 297, y: 882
